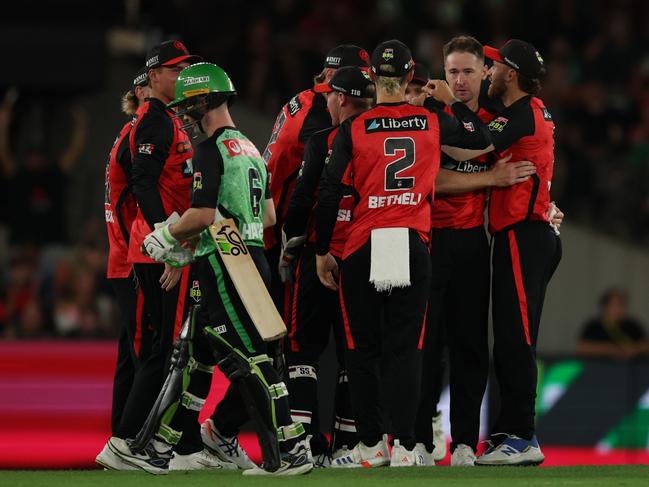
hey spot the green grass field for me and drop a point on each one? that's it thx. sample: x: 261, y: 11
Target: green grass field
x: 587, y: 476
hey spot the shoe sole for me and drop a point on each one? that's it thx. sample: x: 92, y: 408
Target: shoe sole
x: 301, y: 470
x: 526, y: 463
x: 125, y: 459
x: 108, y: 466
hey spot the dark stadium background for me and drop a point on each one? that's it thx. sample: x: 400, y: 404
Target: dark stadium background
x: 66, y: 63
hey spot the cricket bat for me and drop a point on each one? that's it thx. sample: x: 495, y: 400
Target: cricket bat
x: 247, y: 281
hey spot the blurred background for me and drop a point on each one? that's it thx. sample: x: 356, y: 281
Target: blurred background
x: 67, y: 63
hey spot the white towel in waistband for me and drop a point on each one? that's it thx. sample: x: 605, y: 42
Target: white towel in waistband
x: 390, y: 264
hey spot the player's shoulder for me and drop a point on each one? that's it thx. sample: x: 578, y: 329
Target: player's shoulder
x: 538, y: 106
x: 299, y: 103
x: 154, y: 112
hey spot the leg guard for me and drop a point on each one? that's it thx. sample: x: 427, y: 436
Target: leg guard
x: 174, y: 391
x: 250, y: 376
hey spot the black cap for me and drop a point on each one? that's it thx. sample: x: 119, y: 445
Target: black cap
x: 392, y: 59
x: 519, y: 55
x: 420, y: 75
x: 350, y: 80
x: 141, y: 78
x: 347, y: 55
x: 169, y: 53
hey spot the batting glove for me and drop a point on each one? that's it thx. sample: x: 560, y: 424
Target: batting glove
x: 290, y: 250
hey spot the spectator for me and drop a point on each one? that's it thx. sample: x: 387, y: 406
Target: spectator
x: 38, y: 186
x: 613, y: 333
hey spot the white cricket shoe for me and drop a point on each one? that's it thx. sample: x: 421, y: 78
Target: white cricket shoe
x: 402, y: 457
x: 110, y: 461
x: 297, y: 461
x: 200, y: 460
x: 364, y: 456
x: 227, y: 449
x: 463, y: 456
x: 424, y: 458
x: 153, y: 459
x: 439, y: 438
x: 513, y: 451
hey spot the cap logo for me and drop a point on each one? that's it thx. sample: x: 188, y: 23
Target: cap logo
x: 511, y: 63
x: 140, y: 79
x: 538, y: 57
x: 180, y: 46
x: 195, y: 80
x: 366, y: 74
x: 337, y: 88
x: 388, y: 53
x: 364, y: 55
x: 152, y: 61
x: 333, y: 60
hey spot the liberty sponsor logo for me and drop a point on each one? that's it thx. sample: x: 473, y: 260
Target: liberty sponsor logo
x: 498, y: 124
x: 404, y: 199
x: 464, y: 166
x: 402, y: 124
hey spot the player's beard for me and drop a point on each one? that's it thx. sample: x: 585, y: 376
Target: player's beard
x: 497, y: 88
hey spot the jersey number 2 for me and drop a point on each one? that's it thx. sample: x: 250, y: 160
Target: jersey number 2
x: 391, y: 147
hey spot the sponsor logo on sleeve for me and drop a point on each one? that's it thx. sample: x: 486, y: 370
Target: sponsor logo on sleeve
x: 240, y: 147
x: 498, y: 124
x: 145, y: 149
x: 546, y: 114
x: 294, y: 106
x: 403, y: 124
x: 198, y: 181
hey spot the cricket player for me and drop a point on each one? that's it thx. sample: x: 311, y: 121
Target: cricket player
x: 313, y: 309
x: 391, y: 154
x: 230, y: 180
x: 120, y: 209
x: 304, y: 114
x: 161, y: 181
x: 526, y: 249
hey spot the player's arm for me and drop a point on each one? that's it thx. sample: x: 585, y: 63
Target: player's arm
x: 208, y: 164
x: 317, y: 119
x: 329, y: 194
x: 501, y: 174
x: 150, y: 146
x: 270, y: 216
x: 301, y: 202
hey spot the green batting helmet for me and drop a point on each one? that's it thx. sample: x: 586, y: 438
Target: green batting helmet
x: 202, y: 79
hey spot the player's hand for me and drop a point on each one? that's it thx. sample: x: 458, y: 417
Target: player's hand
x: 170, y: 277
x: 504, y: 173
x: 440, y: 90
x: 418, y: 100
x: 327, y: 269
x: 555, y: 215
x: 290, y: 250
x: 160, y: 243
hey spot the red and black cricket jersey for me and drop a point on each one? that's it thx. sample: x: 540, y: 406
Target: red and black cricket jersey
x: 162, y: 171
x: 391, y: 153
x: 466, y: 210
x: 301, y: 117
x: 526, y: 130
x: 119, y: 204
x: 300, y: 216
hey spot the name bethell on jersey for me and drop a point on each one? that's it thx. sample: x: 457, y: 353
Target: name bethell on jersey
x: 411, y: 199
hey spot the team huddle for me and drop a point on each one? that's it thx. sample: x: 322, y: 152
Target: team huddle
x: 365, y: 217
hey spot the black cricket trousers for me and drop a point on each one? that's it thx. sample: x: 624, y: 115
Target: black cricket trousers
x: 525, y: 257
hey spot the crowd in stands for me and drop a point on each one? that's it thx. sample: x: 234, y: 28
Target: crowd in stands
x: 597, y: 90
